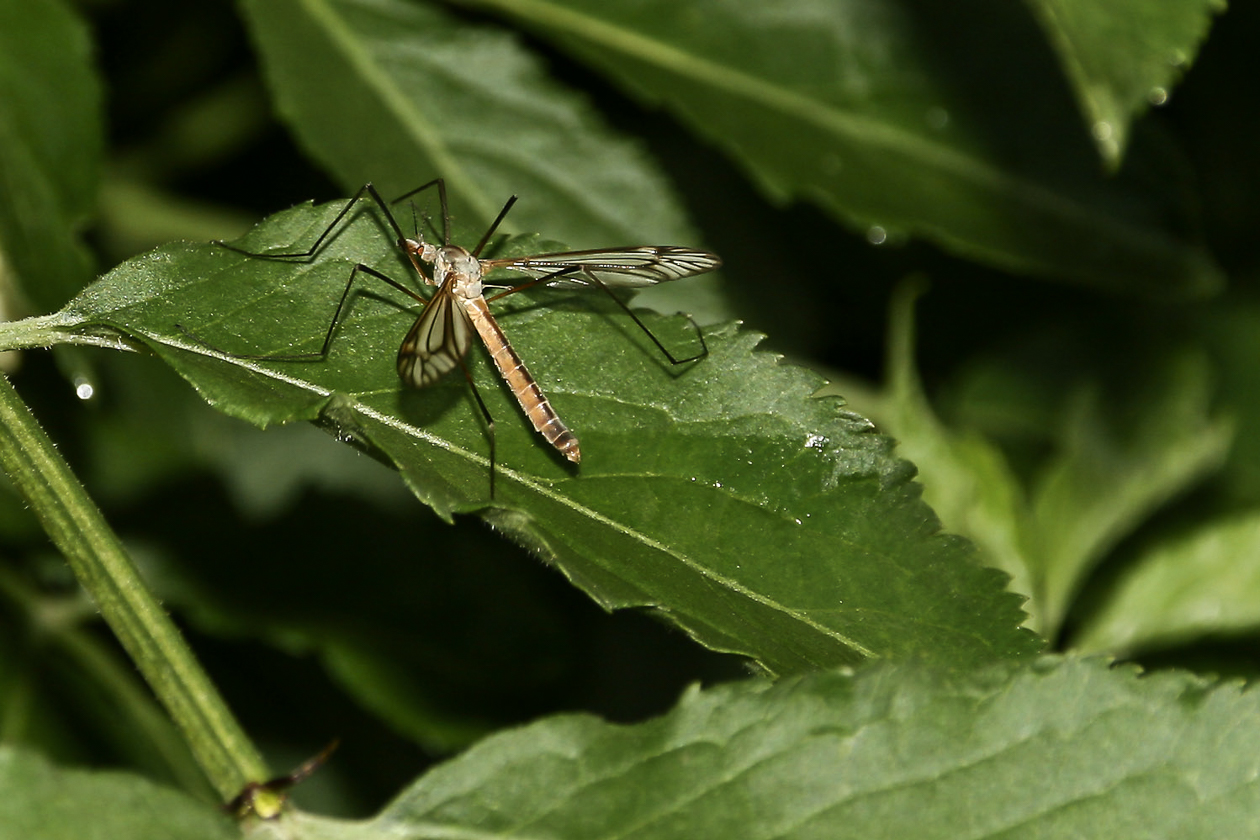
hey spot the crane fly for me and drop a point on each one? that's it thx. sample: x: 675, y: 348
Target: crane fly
x: 439, y: 340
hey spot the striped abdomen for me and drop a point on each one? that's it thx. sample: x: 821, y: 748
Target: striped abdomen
x: 531, y: 398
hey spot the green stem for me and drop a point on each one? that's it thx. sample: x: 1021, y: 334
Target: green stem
x: 103, y: 568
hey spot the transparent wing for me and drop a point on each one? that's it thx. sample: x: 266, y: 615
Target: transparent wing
x: 623, y: 268
x: 436, y: 342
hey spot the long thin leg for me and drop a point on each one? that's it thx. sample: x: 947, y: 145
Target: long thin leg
x: 342, y: 303
x: 345, y: 295
x: 369, y: 190
x: 485, y: 412
x: 704, y: 346
x: 310, y: 252
x: 485, y: 237
x: 251, y: 799
x: 332, y: 325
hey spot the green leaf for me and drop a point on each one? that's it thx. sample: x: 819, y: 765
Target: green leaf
x: 762, y: 521
x: 965, y: 476
x: 1070, y: 748
x: 947, y: 121
x: 107, y: 574
x: 50, y: 150
x: 1205, y: 582
x: 1230, y: 331
x: 46, y: 802
x: 1108, y: 477
x: 1122, y: 56
x: 1115, y: 461
x: 399, y: 93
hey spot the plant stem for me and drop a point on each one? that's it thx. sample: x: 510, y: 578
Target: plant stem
x: 103, y: 568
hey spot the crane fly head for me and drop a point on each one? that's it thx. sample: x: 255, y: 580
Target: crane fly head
x: 418, y: 248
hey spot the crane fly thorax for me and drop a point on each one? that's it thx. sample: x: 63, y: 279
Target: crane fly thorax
x: 461, y: 269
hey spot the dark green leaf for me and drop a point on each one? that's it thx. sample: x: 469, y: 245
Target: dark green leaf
x: 399, y: 93
x: 1230, y: 330
x: 943, y: 120
x: 1119, y: 459
x: 1107, y: 477
x: 763, y: 521
x: 1066, y: 749
x: 965, y: 477
x: 1202, y: 583
x: 1123, y: 56
x: 46, y: 802
x: 50, y: 149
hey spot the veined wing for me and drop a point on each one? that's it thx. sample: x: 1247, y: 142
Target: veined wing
x: 437, y: 341
x: 624, y: 268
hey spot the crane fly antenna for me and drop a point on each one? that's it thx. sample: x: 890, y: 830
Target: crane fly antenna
x: 440, y: 183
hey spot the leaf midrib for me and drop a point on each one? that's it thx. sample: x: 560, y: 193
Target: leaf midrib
x: 537, y: 487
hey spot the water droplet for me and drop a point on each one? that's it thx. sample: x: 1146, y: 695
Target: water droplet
x: 83, y: 389
x: 876, y: 235
x: 1157, y: 96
